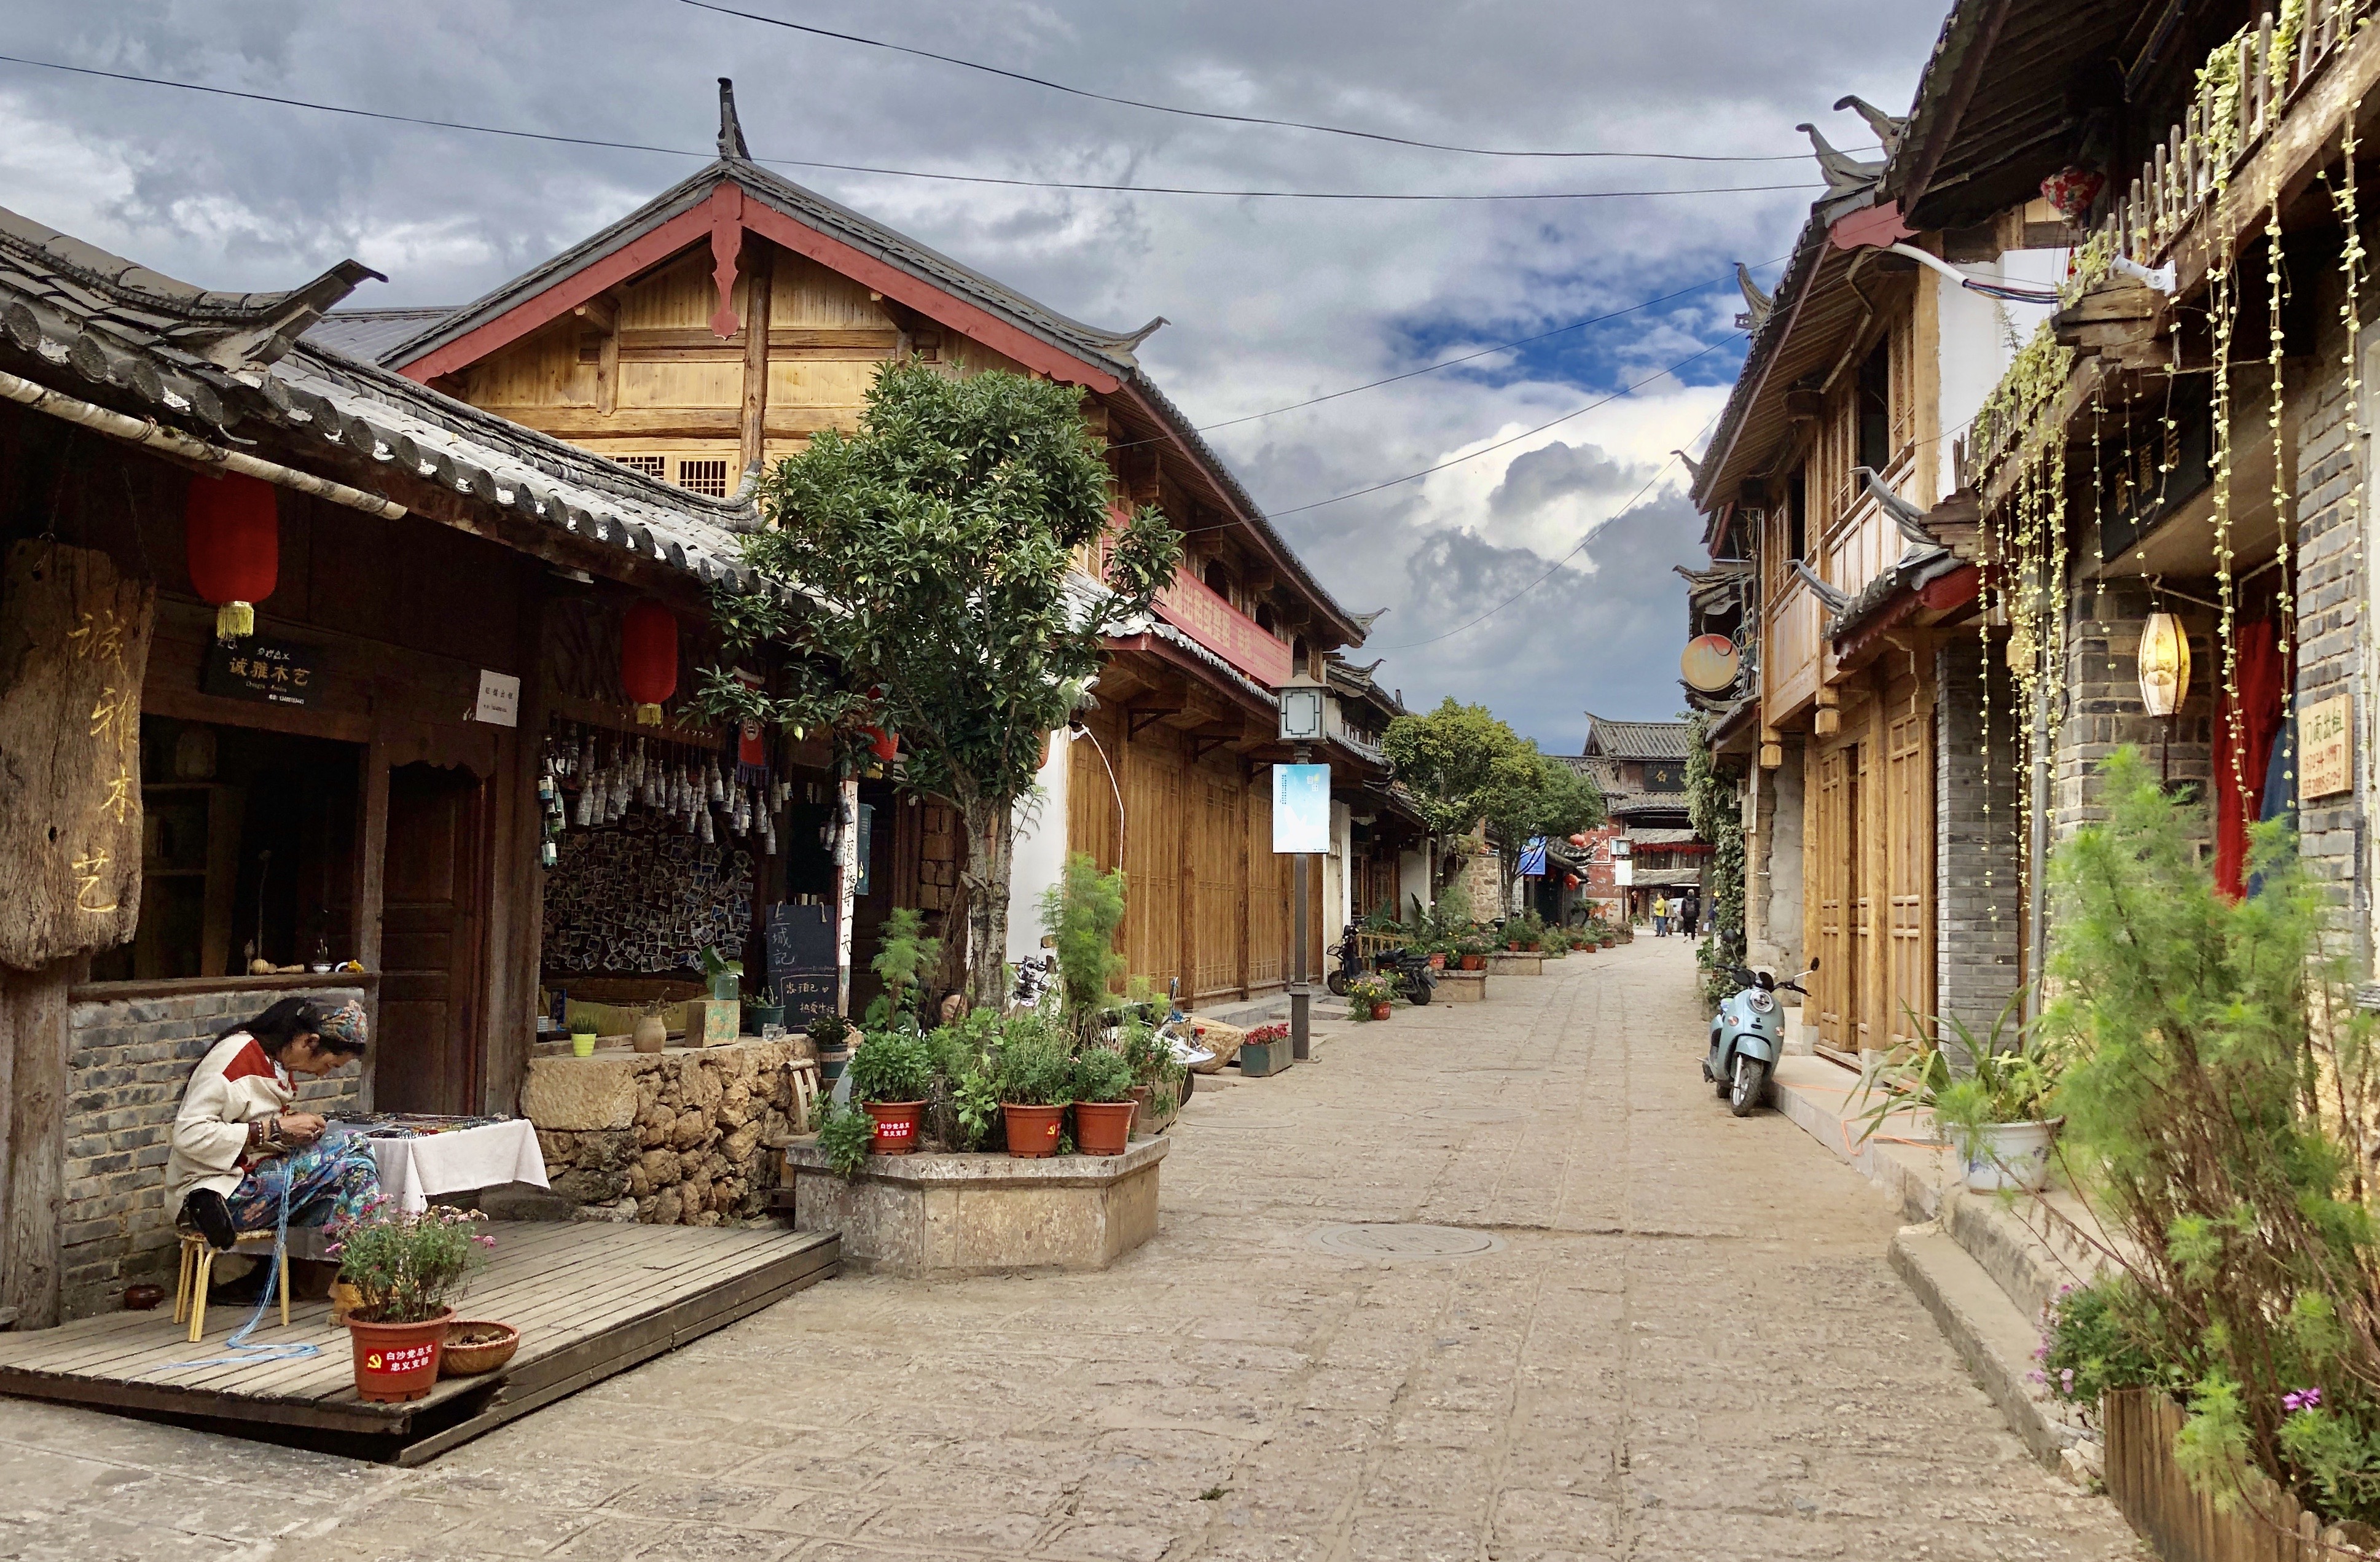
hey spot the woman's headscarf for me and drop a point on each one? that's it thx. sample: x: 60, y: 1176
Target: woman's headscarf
x: 342, y: 1029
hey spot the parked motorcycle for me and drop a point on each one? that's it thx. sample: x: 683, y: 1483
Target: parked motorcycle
x: 1415, y: 981
x: 1747, y: 1036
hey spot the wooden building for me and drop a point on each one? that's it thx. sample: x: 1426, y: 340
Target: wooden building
x: 735, y: 315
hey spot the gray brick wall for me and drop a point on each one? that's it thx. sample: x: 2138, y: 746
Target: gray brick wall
x: 2103, y: 709
x: 127, y: 1063
x: 1978, y: 838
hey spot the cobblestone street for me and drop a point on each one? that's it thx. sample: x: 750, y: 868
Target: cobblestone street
x: 1684, y: 1343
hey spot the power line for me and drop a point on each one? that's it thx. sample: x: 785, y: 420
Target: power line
x: 1634, y: 499
x: 1226, y: 118
x: 889, y: 173
x: 1499, y: 444
x: 1484, y: 352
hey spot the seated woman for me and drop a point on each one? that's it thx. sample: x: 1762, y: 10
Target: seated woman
x: 236, y: 1146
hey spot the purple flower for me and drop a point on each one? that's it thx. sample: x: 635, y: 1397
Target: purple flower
x: 2303, y: 1399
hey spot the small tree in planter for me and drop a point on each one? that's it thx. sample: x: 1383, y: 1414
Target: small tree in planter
x: 890, y: 1075
x: 1081, y: 913
x: 406, y: 1270
x: 1034, y: 1083
x: 943, y: 541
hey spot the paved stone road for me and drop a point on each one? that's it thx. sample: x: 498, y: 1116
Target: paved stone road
x: 1688, y: 1344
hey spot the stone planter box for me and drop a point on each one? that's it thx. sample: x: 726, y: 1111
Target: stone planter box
x: 1509, y: 962
x: 945, y: 1216
x: 1460, y: 987
x: 1260, y: 1058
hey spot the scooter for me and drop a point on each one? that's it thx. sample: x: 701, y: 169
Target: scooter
x: 1747, y: 1037
x: 1411, y: 972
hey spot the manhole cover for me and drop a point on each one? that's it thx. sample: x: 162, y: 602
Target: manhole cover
x: 1405, y: 1241
x: 1472, y: 1114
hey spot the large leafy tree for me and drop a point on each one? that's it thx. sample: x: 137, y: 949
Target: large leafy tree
x: 1466, y: 765
x: 946, y: 544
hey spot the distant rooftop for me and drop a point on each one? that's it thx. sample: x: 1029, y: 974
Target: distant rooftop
x: 366, y: 333
x: 1607, y: 739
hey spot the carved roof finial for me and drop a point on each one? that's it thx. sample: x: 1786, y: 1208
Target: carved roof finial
x: 1888, y: 129
x: 1694, y: 468
x: 1756, y: 303
x: 1845, y: 175
x: 731, y: 129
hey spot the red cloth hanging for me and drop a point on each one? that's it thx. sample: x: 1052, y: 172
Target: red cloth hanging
x: 2243, y: 748
x: 231, y: 534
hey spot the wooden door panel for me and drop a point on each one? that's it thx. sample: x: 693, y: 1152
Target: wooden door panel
x: 1909, y: 843
x: 426, y: 1054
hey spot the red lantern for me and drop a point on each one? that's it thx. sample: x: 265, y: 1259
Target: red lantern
x: 649, y: 659
x: 231, y: 528
x: 1570, y: 881
x: 886, y: 746
x: 1578, y: 840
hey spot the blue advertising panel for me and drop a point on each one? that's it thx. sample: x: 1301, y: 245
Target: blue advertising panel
x: 1301, y: 808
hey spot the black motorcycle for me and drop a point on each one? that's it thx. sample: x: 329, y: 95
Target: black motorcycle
x: 1410, y: 972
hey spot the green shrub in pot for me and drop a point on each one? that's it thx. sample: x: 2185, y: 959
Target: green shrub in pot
x: 893, y: 1066
x: 1100, y: 1075
x: 1036, y: 1068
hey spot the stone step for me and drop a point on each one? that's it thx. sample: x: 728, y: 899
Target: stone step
x: 1990, y: 1335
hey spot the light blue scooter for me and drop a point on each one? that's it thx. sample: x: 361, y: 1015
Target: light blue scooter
x: 1747, y: 1036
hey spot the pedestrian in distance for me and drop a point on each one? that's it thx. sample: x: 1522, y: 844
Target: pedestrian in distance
x: 1661, y: 917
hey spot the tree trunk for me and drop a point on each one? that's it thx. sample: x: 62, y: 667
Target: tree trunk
x: 992, y: 837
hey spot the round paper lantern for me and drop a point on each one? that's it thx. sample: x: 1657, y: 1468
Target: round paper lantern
x: 231, y: 527
x: 2165, y: 663
x: 649, y: 659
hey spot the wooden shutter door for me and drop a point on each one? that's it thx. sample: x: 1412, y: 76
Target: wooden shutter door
x: 1909, y: 851
x: 1828, y: 858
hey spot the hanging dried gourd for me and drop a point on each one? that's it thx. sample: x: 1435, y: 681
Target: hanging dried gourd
x: 648, y: 658
x: 231, y: 528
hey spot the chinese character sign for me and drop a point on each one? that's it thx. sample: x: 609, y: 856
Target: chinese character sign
x: 73, y: 646
x: 2326, y: 748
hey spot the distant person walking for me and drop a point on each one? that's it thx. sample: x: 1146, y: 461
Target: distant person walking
x: 1690, y: 914
x: 1661, y: 917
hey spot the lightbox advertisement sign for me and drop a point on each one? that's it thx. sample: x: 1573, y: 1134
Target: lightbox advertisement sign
x: 1301, y: 808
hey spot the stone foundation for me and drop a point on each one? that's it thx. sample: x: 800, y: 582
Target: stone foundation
x: 672, y: 1138
x: 1510, y: 962
x: 127, y: 1063
x: 1460, y: 987
x: 944, y: 1217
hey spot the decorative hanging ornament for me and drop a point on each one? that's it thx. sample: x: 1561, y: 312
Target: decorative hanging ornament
x: 648, y: 658
x: 718, y: 783
x: 2165, y: 663
x: 2072, y: 190
x: 702, y: 827
x: 231, y: 528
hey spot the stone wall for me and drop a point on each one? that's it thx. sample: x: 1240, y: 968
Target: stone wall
x: 1779, y: 850
x: 127, y: 1063
x: 1979, y: 831
x: 673, y: 1138
x: 2103, y: 709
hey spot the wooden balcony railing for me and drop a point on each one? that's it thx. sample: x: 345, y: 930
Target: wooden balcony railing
x: 1792, y: 651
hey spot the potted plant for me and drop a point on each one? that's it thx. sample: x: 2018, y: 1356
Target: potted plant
x: 1991, y: 1097
x: 830, y: 1033
x: 582, y: 1039
x: 1370, y: 998
x: 407, y: 1271
x: 724, y: 975
x: 1034, y: 1080
x: 1471, y: 951
x: 1264, y: 1050
x: 846, y: 1136
x: 763, y: 1010
x: 1103, y: 1105
x: 889, y: 1076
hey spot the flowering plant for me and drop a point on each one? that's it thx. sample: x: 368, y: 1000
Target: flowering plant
x: 1277, y: 1031
x: 1367, y: 993
x: 406, y: 1268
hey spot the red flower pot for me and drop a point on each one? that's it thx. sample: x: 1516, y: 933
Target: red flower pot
x: 1475, y: 963
x: 396, y: 1361
x: 1032, y: 1130
x: 896, y: 1125
x: 1437, y: 962
x: 1380, y: 1011
x: 1104, y: 1128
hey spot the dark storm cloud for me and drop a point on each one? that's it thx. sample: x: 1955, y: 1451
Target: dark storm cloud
x: 1272, y: 301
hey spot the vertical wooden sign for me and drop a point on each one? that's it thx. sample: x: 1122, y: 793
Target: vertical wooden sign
x: 2326, y: 748
x: 74, y: 644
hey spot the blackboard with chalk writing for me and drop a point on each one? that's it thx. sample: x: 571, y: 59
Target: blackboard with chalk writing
x: 801, y: 960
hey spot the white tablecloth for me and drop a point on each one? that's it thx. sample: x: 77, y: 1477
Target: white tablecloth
x: 412, y: 1170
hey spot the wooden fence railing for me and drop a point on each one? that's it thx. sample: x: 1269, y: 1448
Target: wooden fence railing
x: 2184, y: 1525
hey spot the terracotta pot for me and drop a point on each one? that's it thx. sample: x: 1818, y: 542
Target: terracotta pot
x: 1104, y: 1128
x: 651, y: 1033
x: 1140, y: 1095
x: 471, y: 1360
x: 1437, y: 962
x: 1380, y: 1011
x: 896, y: 1125
x: 1513, y: 948
x: 1609, y: 942
x: 1475, y: 963
x: 397, y: 1362
x: 141, y: 1298
x: 1032, y: 1130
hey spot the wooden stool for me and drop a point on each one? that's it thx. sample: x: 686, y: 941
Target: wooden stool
x: 198, y: 1267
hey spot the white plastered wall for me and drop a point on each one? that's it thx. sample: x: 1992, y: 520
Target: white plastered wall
x: 1038, y: 856
x: 1981, y: 335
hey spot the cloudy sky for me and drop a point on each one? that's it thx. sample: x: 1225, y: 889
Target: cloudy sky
x: 1272, y: 301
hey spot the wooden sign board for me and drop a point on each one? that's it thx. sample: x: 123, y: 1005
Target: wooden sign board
x: 261, y: 671
x: 2326, y: 747
x: 801, y: 961
x: 74, y: 647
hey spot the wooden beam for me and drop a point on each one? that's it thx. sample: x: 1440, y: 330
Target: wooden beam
x: 675, y: 422
x: 759, y: 273
x: 601, y: 311
x: 1142, y: 720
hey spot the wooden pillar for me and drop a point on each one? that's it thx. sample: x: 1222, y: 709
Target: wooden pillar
x: 759, y: 273
x: 32, y: 1140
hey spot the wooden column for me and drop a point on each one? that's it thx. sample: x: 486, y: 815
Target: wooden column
x: 32, y: 1139
x: 759, y: 268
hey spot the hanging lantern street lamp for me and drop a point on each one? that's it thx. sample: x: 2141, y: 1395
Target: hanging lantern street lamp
x: 648, y: 658
x: 231, y: 532
x: 2165, y: 663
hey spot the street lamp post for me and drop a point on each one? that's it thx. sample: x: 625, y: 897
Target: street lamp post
x: 1301, y: 725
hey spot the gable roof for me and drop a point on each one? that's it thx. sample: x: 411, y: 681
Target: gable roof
x: 366, y: 333
x: 736, y: 191
x: 1633, y: 740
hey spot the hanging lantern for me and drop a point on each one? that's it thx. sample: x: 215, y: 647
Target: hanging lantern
x: 648, y: 658
x: 2165, y: 663
x: 1578, y: 841
x: 885, y: 744
x: 231, y: 528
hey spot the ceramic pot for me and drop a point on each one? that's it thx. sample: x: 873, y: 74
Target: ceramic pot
x: 471, y: 1361
x: 582, y: 1043
x: 896, y: 1125
x: 1437, y: 962
x: 757, y: 1017
x: 1140, y: 1095
x: 1475, y: 963
x: 1032, y: 1130
x: 1513, y: 947
x: 1380, y: 1011
x: 2011, y: 1154
x: 651, y: 1033
x: 1104, y: 1128
x: 832, y: 1061
x: 396, y: 1361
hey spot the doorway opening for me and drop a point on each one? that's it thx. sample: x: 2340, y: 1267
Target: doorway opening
x: 434, y: 932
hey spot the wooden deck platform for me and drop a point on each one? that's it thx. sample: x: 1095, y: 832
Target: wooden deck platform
x: 590, y: 1300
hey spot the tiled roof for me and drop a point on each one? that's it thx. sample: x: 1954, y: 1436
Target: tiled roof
x: 210, y: 362
x: 1607, y: 739
x: 366, y: 333
x: 1663, y: 837
x: 1110, y: 350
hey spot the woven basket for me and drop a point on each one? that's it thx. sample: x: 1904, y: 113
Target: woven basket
x: 471, y: 1361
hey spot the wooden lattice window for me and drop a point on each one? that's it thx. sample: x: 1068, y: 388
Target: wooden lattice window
x: 703, y: 477
x: 654, y: 466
